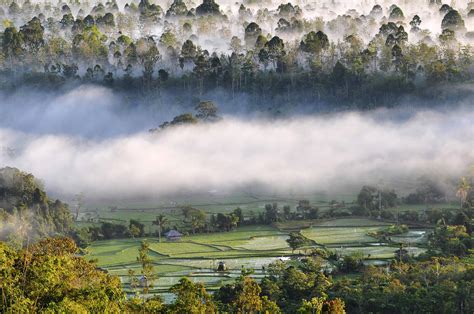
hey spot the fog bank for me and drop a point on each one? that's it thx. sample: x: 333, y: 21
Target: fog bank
x: 332, y: 152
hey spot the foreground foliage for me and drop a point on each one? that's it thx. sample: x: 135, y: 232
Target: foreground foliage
x: 50, y: 277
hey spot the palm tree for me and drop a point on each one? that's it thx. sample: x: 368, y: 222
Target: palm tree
x: 463, y: 190
x: 160, y: 221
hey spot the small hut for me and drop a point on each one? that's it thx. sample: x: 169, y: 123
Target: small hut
x: 402, y: 255
x: 143, y: 281
x: 173, y: 236
x: 221, y: 266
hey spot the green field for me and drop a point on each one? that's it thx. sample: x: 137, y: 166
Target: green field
x: 197, y: 256
x: 243, y: 242
x: 377, y: 252
x: 351, y: 222
x: 341, y: 235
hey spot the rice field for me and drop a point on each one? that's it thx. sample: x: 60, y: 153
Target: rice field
x: 197, y: 256
x: 341, y: 235
x: 351, y: 222
x: 412, y: 237
x: 378, y: 252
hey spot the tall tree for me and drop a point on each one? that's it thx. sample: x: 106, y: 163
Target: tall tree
x: 147, y: 271
x: 207, y: 111
x: 297, y: 240
x: 160, y: 222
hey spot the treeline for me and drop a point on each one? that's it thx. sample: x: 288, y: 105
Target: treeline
x: 50, y: 277
x: 371, y: 202
x: 96, y: 45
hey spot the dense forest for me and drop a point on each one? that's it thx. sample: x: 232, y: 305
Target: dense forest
x: 282, y: 52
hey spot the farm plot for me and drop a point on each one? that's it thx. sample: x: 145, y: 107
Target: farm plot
x: 197, y: 256
x: 179, y: 248
x: 236, y: 237
x: 257, y: 241
x: 266, y: 243
x: 233, y: 263
x: 340, y: 235
x: 352, y: 222
x: 114, y: 252
x: 412, y: 236
x: 160, y: 269
x: 378, y: 252
x: 295, y: 225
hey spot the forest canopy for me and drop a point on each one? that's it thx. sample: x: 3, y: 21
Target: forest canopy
x: 358, y: 55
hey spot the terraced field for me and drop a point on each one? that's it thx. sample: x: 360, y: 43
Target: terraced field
x: 341, y: 235
x: 377, y: 252
x: 351, y: 222
x: 197, y: 256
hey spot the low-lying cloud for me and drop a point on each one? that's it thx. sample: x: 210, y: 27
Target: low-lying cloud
x: 331, y: 152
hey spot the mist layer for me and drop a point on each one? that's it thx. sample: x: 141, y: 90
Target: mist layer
x: 328, y: 153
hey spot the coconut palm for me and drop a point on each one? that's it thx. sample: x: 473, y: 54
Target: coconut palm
x: 160, y: 221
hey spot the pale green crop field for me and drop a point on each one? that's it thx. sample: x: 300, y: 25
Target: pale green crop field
x: 266, y: 243
x: 412, y: 237
x: 349, y: 222
x: 172, y: 249
x: 336, y: 235
x: 378, y: 252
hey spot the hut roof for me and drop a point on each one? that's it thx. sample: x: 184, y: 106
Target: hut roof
x: 173, y: 233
